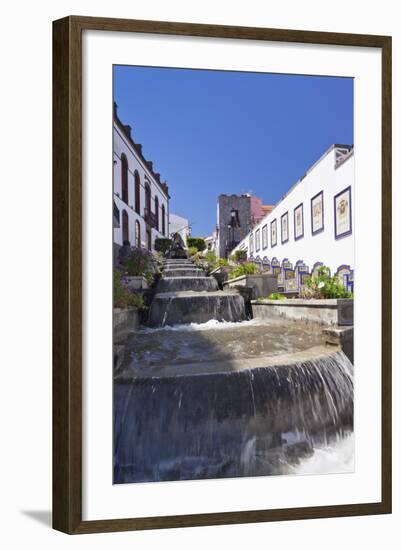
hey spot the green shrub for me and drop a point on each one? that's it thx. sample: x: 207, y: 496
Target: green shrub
x: 162, y: 244
x: 140, y: 262
x: 122, y: 298
x: 276, y: 296
x: 243, y: 269
x: 159, y: 257
x: 197, y: 242
x: 197, y: 259
x: 239, y: 256
x: 210, y: 257
x: 192, y: 250
x: 324, y: 286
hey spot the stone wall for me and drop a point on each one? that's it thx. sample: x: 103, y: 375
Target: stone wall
x: 261, y: 284
x: 325, y: 312
x: 125, y: 322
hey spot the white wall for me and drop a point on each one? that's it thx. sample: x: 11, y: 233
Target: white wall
x: 26, y: 351
x: 178, y: 224
x: 320, y: 247
x: 122, y: 145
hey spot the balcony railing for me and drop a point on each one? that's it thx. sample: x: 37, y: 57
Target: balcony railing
x: 150, y: 218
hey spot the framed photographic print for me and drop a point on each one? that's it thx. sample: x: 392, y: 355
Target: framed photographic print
x: 317, y: 213
x: 284, y: 228
x: 299, y: 222
x: 264, y: 236
x: 273, y: 233
x: 176, y: 400
x: 342, y: 213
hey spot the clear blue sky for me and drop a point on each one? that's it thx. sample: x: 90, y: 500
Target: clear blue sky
x: 212, y: 132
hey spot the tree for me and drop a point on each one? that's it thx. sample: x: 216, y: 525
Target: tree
x: 197, y: 242
x: 162, y: 245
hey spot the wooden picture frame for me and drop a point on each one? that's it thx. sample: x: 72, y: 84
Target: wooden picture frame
x: 67, y: 273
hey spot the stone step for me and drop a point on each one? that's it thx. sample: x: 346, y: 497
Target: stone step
x: 175, y: 266
x: 178, y: 266
x: 173, y: 284
x: 178, y: 308
x: 184, y: 272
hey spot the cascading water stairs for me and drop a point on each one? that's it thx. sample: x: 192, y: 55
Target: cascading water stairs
x: 256, y: 417
x: 185, y: 294
x: 238, y: 399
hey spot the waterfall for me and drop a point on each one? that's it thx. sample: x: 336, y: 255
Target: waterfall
x: 229, y: 423
x: 185, y: 294
x: 196, y: 307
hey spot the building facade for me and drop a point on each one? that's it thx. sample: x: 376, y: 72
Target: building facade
x: 141, y: 200
x: 236, y: 215
x: 211, y: 242
x: 313, y: 223
x: 180, y: 225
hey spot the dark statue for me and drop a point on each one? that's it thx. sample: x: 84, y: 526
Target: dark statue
x: 177, y: 249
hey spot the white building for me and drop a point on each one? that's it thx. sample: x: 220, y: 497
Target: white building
x: 141, y: 199
x: 211, y: 242
x: 313, y: 222
x: 180, y: 225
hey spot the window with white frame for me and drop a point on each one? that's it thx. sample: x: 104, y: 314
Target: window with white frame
x: 257, y: 240
x: 264, y: 236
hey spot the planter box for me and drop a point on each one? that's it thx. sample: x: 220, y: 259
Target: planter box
x: 133, y: 283
x: 326, y: 312
x: 125, y: 322
x: 262, y: 284
x: 221, y: 274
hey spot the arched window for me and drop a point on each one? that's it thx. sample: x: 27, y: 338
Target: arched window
x: 124, y: 178
x: 157, y: 212
x: 137, y: 234
x: 149, y: 239
x: 163, y: 220
x: 125, y: 227
x: 137, y: 193
x: 147, y: 198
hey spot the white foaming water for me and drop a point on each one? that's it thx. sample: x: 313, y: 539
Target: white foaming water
x: 338, y: 457
x: 213, y: 324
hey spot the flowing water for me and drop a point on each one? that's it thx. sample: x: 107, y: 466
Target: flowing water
x: 337, y: 456
x: 231, y: 399
x: 152, y: 349
x: 169, y: 308
x: 185, y: 294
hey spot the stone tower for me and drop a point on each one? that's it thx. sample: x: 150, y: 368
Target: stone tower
x: 234, y: 221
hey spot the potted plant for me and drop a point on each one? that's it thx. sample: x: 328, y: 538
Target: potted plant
x: 140, y: 269
x: 126, y: 306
